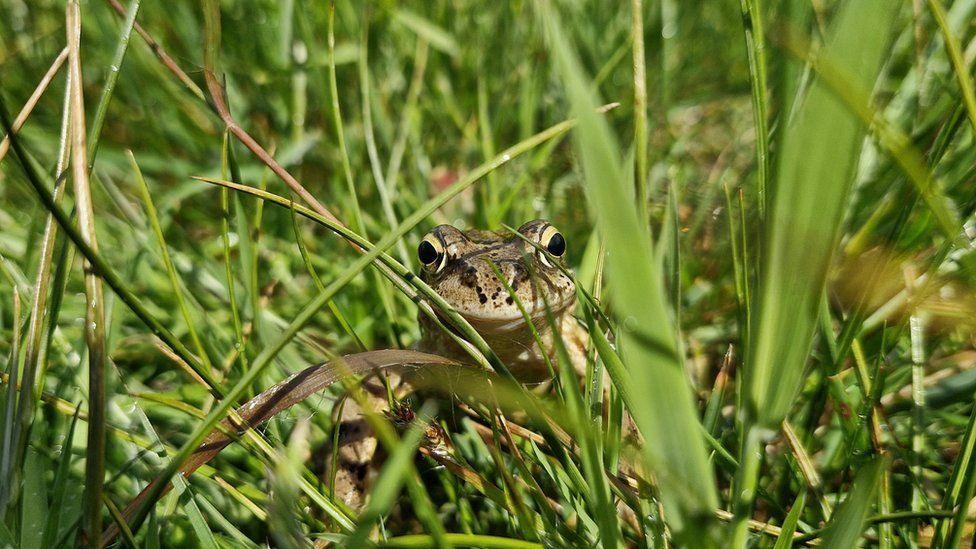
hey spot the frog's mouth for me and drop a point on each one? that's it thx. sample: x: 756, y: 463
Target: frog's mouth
x: 491, y: 322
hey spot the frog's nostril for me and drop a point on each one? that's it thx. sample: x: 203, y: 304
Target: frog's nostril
x: 469, y: 277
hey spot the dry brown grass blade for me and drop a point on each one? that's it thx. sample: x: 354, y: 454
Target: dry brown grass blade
x: 94, y: 302
x: 217, y: 97
x: 469, y: 476
x: 35, y: 348
x: 32, y: 101
x: 211, y: 57
x: 284, y: 395
x: 219, y: 105
x: 807, y: 468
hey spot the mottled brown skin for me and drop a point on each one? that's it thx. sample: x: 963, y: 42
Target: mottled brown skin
x: 463, y: 276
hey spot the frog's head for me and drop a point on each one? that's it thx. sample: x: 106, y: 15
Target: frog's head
x: 458, y: 266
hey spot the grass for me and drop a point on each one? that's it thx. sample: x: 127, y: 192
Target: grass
x: 770, y: 229
x: 813, y: 184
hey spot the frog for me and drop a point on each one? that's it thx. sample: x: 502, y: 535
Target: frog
x: 462, y: 267
x: 537, y: 295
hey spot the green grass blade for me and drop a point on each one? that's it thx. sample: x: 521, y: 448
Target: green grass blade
x: 382, y: 191
x: 962, y: 482
x: 958, y: 523
x: 357, y: 214
x: 436, y: 36
x: 260, y: 363
x: 814, y: 178
x: 121, y: 47
x: 7, y: 452
x: 410, y: 114
x: 127, y: 537
x: 640, y: 109
x: 34, y: 506
x: 284, y: 507
x: 98, y: 264
x: 6, y: 537
x: 665, y: 413
x: 307, y: 260
x: 205, y: 536
x: 813, y: 182
x: 358, y: 225
x: 58, y: 492
x: 590, y: 433
x: 216, y: 516
x: 247, y: 252
x: 752, y: 18
x: 183, y: 492
x: 953, y: 48
x: 460, y: 540
x: 240, y: 344
x: 174, y: 278
x: 960, y: 490
x: 785, y: 539
x: 848, y: 521
x: 36, y: 346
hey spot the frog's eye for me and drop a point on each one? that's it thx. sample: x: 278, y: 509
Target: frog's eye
x: 552, y: 240
x: 556, y: 245
x: 426, y: 253
x: 429, y: 251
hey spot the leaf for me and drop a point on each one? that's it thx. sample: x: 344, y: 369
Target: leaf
x: 461, y: 540
x: 53, y: 523
x: 848, y: 521
x: 813, y: 182
x: 785, y: 539
x: 664, y: 411
x: 6, y: 538
x: 152, y: 535
x: 284, y: 507
x: 205, y: 536
x: 33, y: 501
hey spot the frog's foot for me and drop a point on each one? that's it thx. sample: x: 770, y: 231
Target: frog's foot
x: 353, y: 468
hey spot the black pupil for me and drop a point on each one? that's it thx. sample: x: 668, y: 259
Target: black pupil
x: 557, y: 245
x: 426, y: 253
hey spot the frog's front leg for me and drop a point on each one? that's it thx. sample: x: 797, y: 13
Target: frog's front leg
x: 359, y: 453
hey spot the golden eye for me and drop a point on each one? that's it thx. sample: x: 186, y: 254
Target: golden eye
x: 426, y: 253
x: 430, y: 251
x: 552, y: 240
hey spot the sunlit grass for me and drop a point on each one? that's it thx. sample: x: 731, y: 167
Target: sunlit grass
x: 770, y: 230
